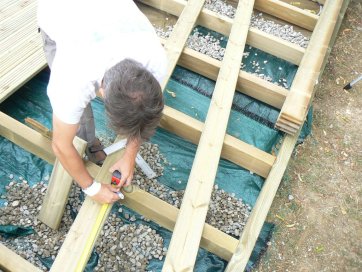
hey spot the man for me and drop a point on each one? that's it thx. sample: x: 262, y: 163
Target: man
x: 109, y: 46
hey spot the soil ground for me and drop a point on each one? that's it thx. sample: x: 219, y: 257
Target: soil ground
x: 317, y: 209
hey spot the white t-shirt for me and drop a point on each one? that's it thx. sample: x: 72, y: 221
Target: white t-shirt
x: 91, y: 36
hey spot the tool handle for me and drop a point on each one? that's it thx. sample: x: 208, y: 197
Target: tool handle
x: 116, y: 177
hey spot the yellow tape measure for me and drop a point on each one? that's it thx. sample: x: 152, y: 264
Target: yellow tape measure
x: 92, y: 239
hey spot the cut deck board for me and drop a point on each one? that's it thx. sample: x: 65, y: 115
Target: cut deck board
x: 177, y: 40
x: 183, y: 248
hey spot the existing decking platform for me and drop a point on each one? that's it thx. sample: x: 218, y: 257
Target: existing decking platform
x: 21, y: 52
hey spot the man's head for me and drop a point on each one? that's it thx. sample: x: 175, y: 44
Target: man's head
x: 133, y: 100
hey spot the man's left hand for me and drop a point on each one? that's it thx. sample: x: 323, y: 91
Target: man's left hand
x: 126, y: 166
x: 127, y: 163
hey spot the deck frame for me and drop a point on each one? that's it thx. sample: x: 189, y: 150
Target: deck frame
x: 39, y: 145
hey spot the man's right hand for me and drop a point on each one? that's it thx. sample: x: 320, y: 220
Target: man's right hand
x: 107, y: 194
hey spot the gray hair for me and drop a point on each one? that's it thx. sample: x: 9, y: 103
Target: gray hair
x: 133, y: 100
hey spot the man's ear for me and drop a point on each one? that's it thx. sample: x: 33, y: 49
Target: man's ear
x: 101, y: 91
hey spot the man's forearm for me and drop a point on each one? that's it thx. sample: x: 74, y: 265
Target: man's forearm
x: 73, y: 163
x: 132, y: 148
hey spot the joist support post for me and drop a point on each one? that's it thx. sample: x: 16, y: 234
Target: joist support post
x: 56, y: 197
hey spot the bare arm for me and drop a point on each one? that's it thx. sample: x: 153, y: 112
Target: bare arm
x: 64, y: 150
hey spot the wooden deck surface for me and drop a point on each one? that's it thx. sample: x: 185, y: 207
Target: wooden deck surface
x: 21, y: 52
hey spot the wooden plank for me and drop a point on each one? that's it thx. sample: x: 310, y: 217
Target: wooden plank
x: 222, y: 24
x: 11, y: 24
x: 181, y: 31
x: 186, y: 237
x: 26, y: 138
x: 5, y: 4
x: 21, y: 53
x: 59, y: 186
x: 234, y: 150
x: 10, y: 261
x: 287, y: 12
x: 248, y: 84
x: 39, y: 127
x: 80, y: 240
x: 18, y: 53
x: 258, y: 215
x: 24, y: 33
x: 301, y: 93
x: 140, y: 201
x: 12, y: 81
x: 164, y: 214
x: 9, y: 7
x: 276, y: 46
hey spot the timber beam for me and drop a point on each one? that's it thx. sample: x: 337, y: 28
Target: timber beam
x: 287, y: 12
x: 185, y: 241
x: 10, y: 261
x: 260, y: 211
x: 247, y: 83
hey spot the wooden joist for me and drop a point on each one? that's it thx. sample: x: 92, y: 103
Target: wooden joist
x: 177, y: 40
x: 26, y: 138
x: 164, y: 214
x: 222, y: 24
x: 298, y: 100
x: 287, y: 12
x: 247, y: 83
x: 258, y: 215
x: 80, y: 240
x: 235, y: 150
x: 12, y: 262
x: 182, y: 251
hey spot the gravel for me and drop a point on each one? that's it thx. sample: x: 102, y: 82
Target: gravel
x: 285, y: 32
x: 121, y: 245
x: 211, y: 46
